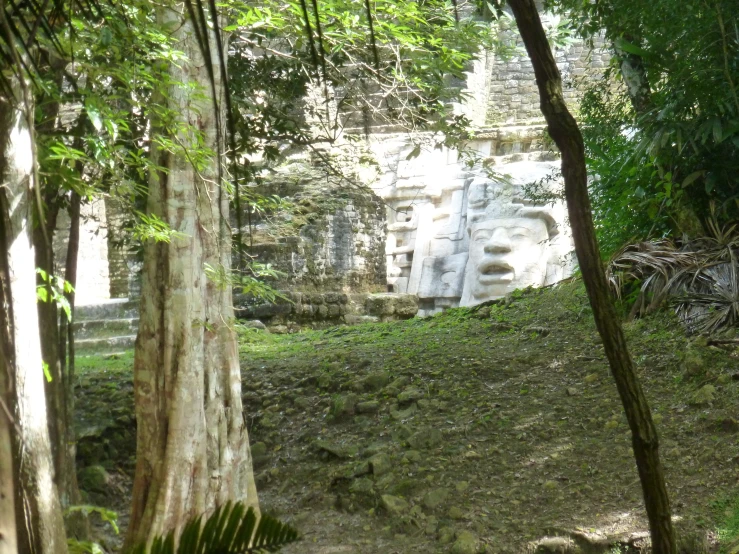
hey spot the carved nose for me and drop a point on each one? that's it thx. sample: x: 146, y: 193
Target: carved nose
x: 498, y: 242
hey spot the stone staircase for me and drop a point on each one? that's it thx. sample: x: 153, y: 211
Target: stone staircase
x: 106, y: 328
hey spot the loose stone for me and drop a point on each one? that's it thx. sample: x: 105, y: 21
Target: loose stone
x: 393, y: 504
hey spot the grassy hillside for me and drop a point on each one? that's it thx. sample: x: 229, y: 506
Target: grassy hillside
x: 473, y: 430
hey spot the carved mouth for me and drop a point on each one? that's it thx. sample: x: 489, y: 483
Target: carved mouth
x: 495, y: 271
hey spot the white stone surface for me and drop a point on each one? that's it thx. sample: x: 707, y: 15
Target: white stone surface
x: 93, y: 279
x: 458, y: 236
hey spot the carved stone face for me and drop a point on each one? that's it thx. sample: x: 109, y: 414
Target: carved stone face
x: 505, y: 254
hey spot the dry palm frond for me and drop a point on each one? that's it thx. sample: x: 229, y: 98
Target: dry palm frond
x: 716, y: 304
x: 700, y: 277
x: 653, y: 263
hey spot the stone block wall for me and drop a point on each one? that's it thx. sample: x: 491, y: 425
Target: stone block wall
x: 331, y: 238
x: 93, y: 275
x: 338, y: 239
x: 121, y: 256
x: 296, y: 310
x: 513, y: 98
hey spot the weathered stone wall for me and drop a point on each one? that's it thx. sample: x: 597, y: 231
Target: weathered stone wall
x: 93, y: 277
x: 513, y: 98
x: 120, y: 253
x: 106, y: 266
x: 430, y: 210
x: 332, y: 237
x: 300, y: 309
x: 338, y: 239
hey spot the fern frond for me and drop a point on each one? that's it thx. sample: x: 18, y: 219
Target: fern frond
x: 230, y: 529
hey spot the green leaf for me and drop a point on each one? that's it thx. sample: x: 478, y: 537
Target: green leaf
x: 42, y: 293
x: 47, y: 373
x: 95, y: 118
x: 106, y: 36
x: 692, y: 177
x: 63, y: 303
x: 230, y: 529
x: 108, y: 516
x: 630, y: 48
x: 717, y: 130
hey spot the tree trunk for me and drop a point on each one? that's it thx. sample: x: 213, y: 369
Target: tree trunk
x: 54, y: 332
x: 192, y: 445
x: 78, y: 524
x: 564, y: 131
x: 53, y: 337
x: 39, y: 525
x: 8, y: 471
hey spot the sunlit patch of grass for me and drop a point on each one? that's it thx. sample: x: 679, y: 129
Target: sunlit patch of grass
x: 114, y: 363
x: 727, y: 513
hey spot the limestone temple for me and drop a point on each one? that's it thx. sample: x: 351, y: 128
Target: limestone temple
x: 429, y: 233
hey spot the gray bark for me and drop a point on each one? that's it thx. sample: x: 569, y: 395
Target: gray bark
x: 38, y: 516
x: 192, y: 445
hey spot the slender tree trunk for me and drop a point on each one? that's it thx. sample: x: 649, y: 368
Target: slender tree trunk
x: 48, y: 316
x: 564, y: 131
x: 192, y: 445
x: 53, y: 330
x: 78, y: 525
x: 39, y: 525
x: 66, y: 347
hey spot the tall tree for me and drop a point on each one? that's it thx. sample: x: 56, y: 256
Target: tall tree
x: 192, y: 444
x: 564, y: 131
x: 39, y: 528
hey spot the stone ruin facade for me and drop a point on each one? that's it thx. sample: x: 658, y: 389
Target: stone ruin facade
x: 430, y: 229
x: 107, y: 268
x: 458, y: 236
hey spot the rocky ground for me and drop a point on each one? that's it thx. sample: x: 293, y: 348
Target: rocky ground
x: 475, y: 430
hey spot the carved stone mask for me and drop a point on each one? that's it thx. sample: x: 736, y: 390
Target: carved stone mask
x: 505, y: 254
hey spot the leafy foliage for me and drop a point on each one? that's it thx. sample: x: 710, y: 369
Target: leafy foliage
x: 302, y: 73
x: 663, y: 147
x: 108, y: 516
x: 251, y: 281
x: 54, y: 289
x: 230, y: 529
x: 151, y: 227
x: 393, y: 63
x: 627, y: 195
x: 88, y: 547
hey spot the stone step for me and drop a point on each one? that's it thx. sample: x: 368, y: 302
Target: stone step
x: 104, y: 345
x: 116, y: 308
x: 105, y: 328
